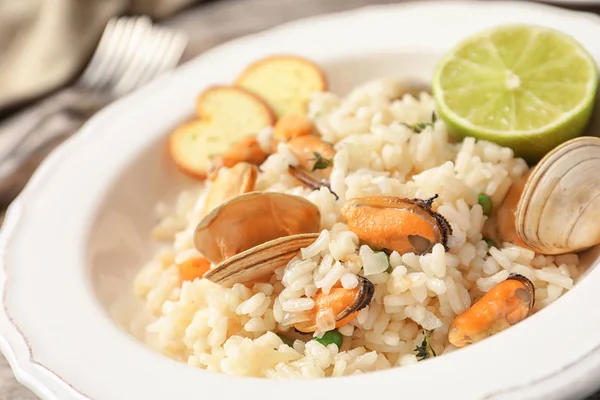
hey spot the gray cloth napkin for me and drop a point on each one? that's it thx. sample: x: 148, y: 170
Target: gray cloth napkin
x: 44, y: 43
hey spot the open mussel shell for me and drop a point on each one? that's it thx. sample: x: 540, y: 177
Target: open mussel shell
x: 252, y: 219
x: 260, y: 261
x: 559, y: 209
x: 345, y: 304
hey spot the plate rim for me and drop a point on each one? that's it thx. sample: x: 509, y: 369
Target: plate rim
x: 577, y: 3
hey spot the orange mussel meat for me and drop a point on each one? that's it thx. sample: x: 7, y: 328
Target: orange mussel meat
x: 397, y: 224
x: 343, y: 303
x: 506, y: 304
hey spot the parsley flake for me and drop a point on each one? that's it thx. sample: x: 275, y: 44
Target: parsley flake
x: 421, y: 126
x: 320, y: 161
x: 425, y: 351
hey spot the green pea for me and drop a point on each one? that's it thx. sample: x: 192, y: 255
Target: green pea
x: 486, y: 203
x: 286, y: 340
x: 331, y: 337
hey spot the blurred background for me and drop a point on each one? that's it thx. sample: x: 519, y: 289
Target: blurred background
x: 63, y: 60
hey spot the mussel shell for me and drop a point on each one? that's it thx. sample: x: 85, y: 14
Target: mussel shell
x: 252, y: 219
x: 365, y: 295
x: 559, y: 209
x: 528, y: 284
x: 310, y: 179
x: 259, y: 261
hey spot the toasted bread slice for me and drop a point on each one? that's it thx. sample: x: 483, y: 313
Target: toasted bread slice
x: 285, y: 82
x: 225, y: 115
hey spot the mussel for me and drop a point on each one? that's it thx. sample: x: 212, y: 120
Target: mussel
x: 193, y: 268
x: 315, y: 161
x: 505, y: 215
x: 506, y: 304
x: 247, y: 150
x: 340, y: 304
x: 394, y: 223
x: 229, y: 183
x: 263, y: 229
x: 558, y: 208
x: 290, y: 126
x: 313, y: 154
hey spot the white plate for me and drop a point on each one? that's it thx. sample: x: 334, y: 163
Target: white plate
x: 572, y: 2
x: 72, y: 239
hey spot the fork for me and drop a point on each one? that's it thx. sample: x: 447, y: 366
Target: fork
x: 131, y: 52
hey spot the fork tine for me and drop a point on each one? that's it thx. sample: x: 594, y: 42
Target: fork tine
x: 162, y: 51
x: 130, y: 53
x: 134, y: 32
x: 90, y: 74
x: 106, y: 61
x: 103, y: 64
x: 141, y: 61
x: 164, y: 48
x: 177, y: 47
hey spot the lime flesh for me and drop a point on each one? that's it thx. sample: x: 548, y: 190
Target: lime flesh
x: 521, y: 86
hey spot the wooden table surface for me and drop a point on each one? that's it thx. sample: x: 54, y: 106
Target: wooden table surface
x: 209, y: 24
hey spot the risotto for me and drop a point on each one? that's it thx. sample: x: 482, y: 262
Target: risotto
x: 386, y: 144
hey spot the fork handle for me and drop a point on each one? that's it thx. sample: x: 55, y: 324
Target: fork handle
x: 22, y: 135
x: 16, y: 130
x: 17, y: 169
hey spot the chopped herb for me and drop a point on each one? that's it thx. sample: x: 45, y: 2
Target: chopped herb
x: 421, y: 126
x: 329, y: 337
x: 425, y: 350
x: 486, y: 203
x: 387, y: 258
x: 320, y: 161
x: 286, y: 340
x: 489, y: 242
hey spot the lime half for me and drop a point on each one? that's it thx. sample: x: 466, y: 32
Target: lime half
x: 521, y: 86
